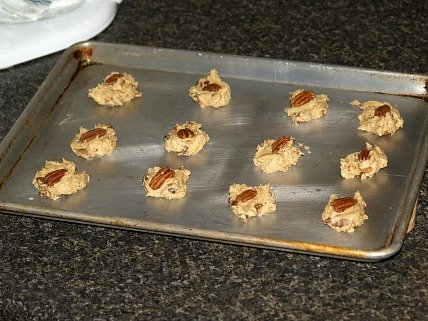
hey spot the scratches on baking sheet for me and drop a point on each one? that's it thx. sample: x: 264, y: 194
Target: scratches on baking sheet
x: 335, y: 123
x: 396, y: 175
x: 201, y: 217
x: 66, y: 119
x: 138, y: 152
x: 162, y: 86
x: 327, y: 158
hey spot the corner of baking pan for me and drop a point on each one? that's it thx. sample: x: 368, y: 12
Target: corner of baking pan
x: 407, y: 207
x: 350, y: 254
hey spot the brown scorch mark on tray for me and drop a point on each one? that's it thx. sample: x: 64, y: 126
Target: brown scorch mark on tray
x: 83, y: 54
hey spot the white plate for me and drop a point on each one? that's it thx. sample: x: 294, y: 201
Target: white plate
x: 21, y: 42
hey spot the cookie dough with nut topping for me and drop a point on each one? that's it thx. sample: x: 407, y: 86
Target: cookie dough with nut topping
x: 277, y: 155
x: 59, y: 178
x: 248, y: 201
x: 363, y: 164
x: 344, y: 214
x: 99, y: 141
x: 186, y: 139
x: 115, y: 90
x: 380, y: 118
x: 306, y: 105
x: 210, y: 91
x: 165, y: 182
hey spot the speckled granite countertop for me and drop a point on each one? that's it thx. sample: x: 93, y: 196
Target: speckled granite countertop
x: 59, y: 271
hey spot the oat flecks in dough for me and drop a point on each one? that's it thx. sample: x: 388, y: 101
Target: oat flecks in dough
x: 69, y: 183
x: 171, y: 188
x: 279, y: 161
x: 314, y: 109
x: 262, y: 202
x: 363, y: 164
x: 115, y: 90
x: 382, y: 124
x: 348, y: 219
x: 102, y: 141
x: 185, y: 142
x: 210, y: 91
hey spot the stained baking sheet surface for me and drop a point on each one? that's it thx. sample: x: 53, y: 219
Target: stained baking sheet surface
x: 115, y: 196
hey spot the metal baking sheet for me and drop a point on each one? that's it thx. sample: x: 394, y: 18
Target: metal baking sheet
x: 260, y: 88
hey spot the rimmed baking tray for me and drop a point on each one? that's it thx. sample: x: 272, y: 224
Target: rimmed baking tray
x: 260, y: 88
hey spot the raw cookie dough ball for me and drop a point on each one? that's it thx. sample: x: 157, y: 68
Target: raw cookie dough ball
x: 306, y: 105
x: 247, y: 201
x: 383, y: 119
x: 59, y: 178
x: 210, y: 91
x: 277, y: 155
x: 344, y: 214
x: 164, y: 182
x: 116, y: 89
x: 363, y: 164
x: 186, y: 139
x: 98, y: 141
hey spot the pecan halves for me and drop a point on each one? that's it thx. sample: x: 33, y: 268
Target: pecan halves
x: 53, y: 177
x: 364, y: 155
x: 302, y: 98
x: 92, y: 134
x: 211, y: 87
x: 113, y: 78
x: 381, y: 111
x: 244, y: 196
x: 160, y: 177
x: 185, y: 133
x: 343, y: 203
x: 279, y: 143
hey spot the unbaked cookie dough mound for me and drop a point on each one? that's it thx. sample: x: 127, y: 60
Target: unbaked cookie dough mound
x: 99, y: 141
x: 210, y: 91
x: 116, y: 89
x: 248, y: 201
x: 380, y: 118
x: 277, y: 155
x: 59, y: 178
x: 344, y: 214
x: 306, y: 105
x: 363, y: 164
x: 165, y: 182
x: 186, y: 139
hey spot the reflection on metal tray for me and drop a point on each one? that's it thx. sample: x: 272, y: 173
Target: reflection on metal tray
x: 260, y: 87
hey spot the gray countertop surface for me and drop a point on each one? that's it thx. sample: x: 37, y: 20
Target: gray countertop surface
x: 54, y: 270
